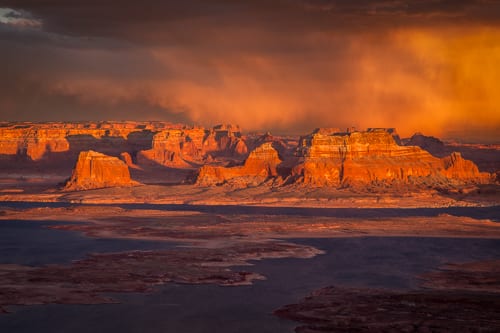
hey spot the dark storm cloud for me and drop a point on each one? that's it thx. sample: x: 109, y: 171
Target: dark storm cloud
x: 287, y: 65
x: 476, y: 9
x: 175, y: 21
x: 227, y: 25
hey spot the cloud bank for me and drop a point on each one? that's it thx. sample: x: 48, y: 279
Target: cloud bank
x: 286, y: 66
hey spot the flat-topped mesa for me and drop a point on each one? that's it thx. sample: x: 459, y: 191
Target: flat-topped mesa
x: 260, y: 165
x: 32, y: 141
x: 95, y: 170
x: 391, y: 130
x: 148, y: 143
x: 38, y: 140
x: 374, y: 157
x: 327, y: 143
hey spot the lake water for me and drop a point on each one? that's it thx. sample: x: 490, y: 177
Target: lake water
x: 490, y: 212
x: 381, y: 262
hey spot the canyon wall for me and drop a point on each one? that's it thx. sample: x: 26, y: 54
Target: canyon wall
x: 191, y: 147
x: 222, y: 155
x: 160, y: 143
x: 39, y: 141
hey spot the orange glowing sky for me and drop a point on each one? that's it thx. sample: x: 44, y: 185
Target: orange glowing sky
x: 286, y: 66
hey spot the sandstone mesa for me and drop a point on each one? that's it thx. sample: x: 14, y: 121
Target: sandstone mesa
x: 328, y: 157
x: 259, y: 166
x: 223, y: 155
x: 374, y: 157
x: 95, y: 170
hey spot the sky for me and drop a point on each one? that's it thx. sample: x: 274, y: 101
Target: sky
x: 285, y: 66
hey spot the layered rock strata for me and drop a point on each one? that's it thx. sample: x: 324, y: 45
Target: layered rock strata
x: 326, y: 157
x: 330, y: 158
x: 260, y: 165
x: 181, y: 148
x: 147, y: 143
x: 174, y: 148
x: 38, y: 141
x: 224, y: 140
x: 95, y: 170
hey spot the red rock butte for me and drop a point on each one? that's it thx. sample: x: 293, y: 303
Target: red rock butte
x: 260, y: 166
x: 224, y: 155
x: 95, y: 170
x: 373, y: 157
x: 328, y: 157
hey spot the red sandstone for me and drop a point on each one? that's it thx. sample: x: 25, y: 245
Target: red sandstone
x: 96, y: 170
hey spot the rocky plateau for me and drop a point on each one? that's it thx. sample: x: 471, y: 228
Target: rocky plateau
x: 161, y: 152
x: 328, y: 157
x: 373, y: 157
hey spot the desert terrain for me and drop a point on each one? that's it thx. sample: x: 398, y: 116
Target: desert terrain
x: 403, y: 233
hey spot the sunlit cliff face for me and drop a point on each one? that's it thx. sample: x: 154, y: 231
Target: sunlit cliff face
x: 287, y: 68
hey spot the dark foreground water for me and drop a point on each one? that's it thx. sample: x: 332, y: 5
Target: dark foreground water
x: 31, y: 243
x: 383, y: 262
x: 490, y: 212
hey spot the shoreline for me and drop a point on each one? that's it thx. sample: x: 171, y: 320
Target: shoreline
x: 215, y: 247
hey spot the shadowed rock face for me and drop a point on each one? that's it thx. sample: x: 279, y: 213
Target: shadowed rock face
x: 182, y: 148
x: 224, y: 140
x: 373, y: 157
x: 147, y: 143
x: 174, y: 148
x: 485, y: 156
x: 96, y: 170
x: 455, y: 167
x: 326, y: 157
x: 433, y: 145
x: 37, y: 141
x: 260, y: 165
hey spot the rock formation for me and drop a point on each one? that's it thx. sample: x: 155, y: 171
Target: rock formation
x: 433, y: 145
x: 224, y: 140
x: 42, y: 141
x: 260, y: 165
x: 173, y: 148
x: 455, y: 167
x: 125, y: 157
x: 160, y: 143
x: 485, y: 156
x: 95, y: 170
x: 330, y: 158
x: 280, y: 145
x: 326, y: 157
x: 188, y: 147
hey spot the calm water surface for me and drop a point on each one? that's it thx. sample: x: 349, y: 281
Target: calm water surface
x: 382, y: 262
